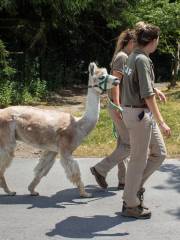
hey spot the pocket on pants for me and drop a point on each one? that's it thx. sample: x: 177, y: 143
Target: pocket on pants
x: 134, y: 117
x: 148, y: 119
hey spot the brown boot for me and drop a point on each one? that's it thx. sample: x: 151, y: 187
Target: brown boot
x: 136, y: 212
x: 99, y: 178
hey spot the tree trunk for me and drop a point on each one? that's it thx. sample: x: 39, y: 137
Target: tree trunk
x: 175, y: 67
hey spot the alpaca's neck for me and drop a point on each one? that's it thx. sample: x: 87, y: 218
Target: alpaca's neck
x: 91, y: 115
x: 92, y: 106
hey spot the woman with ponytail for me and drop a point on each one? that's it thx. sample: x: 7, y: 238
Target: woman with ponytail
x: 124, y: 47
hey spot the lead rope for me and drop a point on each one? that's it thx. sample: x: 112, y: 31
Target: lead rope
x: 117, y: 108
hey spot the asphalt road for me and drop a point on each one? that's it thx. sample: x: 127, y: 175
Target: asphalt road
x: 59, y: 212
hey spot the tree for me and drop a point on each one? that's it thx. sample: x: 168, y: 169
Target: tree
x: 56, y: 39
x: 165, y: 14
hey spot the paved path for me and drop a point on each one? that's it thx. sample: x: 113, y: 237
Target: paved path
x: 59, y: 213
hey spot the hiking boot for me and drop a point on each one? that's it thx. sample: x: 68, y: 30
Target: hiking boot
x: 140, y: 195
x: 136, y: 212
x: 99, y: 178
x: 121, y: 186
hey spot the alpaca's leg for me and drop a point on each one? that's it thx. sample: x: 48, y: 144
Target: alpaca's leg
x: 7, y: 146
x: 3, y: 184
x: 73, y: 173
x: 45, y: 163
x: 5, y: 161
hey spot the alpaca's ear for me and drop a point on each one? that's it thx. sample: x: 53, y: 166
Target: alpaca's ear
x: 92, y: 67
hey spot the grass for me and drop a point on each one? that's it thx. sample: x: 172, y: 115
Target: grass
x: 101, y: 141
x: 171, y: 113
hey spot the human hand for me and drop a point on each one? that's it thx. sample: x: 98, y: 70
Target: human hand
x: 160, y: 95
x: 118, y: 114
x: 165, y: 128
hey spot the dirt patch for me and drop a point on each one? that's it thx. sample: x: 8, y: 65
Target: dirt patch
x: 68, y: 100
x: 24, y: 150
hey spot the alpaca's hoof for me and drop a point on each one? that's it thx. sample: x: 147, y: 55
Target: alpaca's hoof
x: 11, y: 193
x: 86, y: 195
x: 34, y: 194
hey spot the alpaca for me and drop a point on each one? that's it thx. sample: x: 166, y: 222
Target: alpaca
x: 52, y: 131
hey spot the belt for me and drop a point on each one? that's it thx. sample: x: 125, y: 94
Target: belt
x: 133, y: 106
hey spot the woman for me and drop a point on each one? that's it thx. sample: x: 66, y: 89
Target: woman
x: 140, y: 108
x: 124, y: 47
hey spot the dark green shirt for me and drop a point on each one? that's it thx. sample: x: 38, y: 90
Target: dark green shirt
x: 138, y: 81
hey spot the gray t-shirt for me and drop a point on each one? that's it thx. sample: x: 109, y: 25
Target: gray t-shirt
x: 138, y: 81
x: 118, y: 64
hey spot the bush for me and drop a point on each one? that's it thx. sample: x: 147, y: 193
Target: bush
x: 11, y: 93
x: 6, y: 93
x: 38, y: 89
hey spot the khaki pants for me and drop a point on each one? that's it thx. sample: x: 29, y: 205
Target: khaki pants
x: 120, y: 154
x: 147, y: 151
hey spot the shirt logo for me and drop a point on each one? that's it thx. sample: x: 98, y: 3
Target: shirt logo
x: 127, y: 70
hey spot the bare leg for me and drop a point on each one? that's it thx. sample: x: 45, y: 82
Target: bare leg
x: 45, y: 163
x: 73, y: 173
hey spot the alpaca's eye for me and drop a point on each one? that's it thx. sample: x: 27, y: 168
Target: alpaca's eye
x: 101, y: 77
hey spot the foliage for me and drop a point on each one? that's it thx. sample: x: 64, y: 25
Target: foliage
x: 38, y: 89
x: 10, y: 92
x: 165, y: 14
x: 162, y: 13
x: 6, y: 73
x: 6, y: 70
x: 6, y: 93
x: 54, y: 40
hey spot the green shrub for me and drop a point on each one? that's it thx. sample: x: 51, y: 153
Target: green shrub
x: 38, y: 89
x: 26, y: 97
x: 6, y: 93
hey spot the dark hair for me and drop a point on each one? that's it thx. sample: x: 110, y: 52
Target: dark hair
x: 145, y: 33
x: 123, y: 40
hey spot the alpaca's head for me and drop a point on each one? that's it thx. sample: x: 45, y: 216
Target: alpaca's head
x: 100, y: 80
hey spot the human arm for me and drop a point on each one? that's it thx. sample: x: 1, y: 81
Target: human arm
x: 116, y: 89
x: 153, y: 107
x: 118, y: 66
x: 116, y: 94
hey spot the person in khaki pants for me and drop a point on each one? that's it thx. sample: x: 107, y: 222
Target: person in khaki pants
x: 148, y: 150
x: 124, y: 47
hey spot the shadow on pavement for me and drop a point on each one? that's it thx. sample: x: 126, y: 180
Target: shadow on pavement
x: 81, y: 227
x: 58, y: 200
x: 174, y: 177
x: 175, y: 213
x: 173, y: 182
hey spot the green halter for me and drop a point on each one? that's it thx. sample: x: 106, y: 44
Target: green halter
x: 102, y: 84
